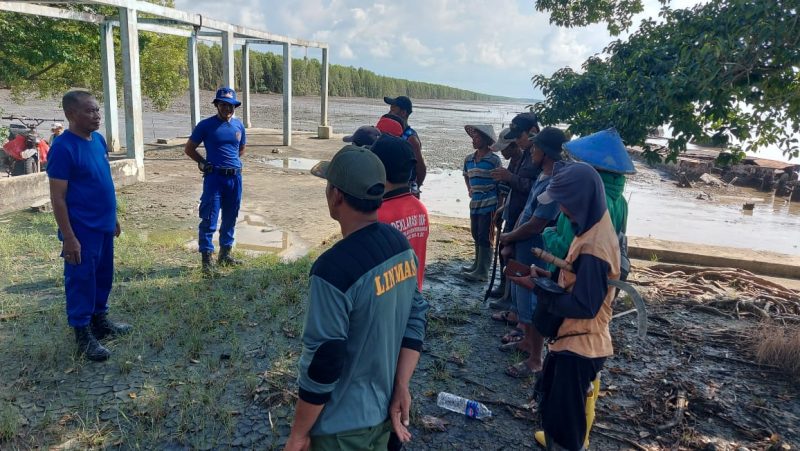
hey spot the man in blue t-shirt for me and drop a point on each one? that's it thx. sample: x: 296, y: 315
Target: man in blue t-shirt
x: 85, y: 208
x: 224, y: 139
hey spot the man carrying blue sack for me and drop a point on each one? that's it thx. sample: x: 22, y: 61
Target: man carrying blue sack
x: 224, y: 139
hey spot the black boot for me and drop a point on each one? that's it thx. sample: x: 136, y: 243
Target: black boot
x: 103, y: 327
x: 208, y: 263
x: 225, y: 258
x: 89, y: 346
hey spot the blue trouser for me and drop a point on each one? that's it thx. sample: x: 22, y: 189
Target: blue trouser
x: 219, y: 191
x: 88, y: 285
x: 525, y: 299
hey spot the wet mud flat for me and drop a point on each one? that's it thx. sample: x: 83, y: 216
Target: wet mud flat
x: 732, y: 403
x: 212, y: 364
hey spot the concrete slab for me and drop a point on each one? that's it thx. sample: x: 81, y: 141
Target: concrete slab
x: 23, y: 191
x: 758, y: 262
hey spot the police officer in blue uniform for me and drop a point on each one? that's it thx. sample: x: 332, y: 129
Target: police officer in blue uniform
x: 224, y: 139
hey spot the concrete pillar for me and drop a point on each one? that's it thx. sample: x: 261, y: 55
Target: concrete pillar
x: 324, y: 130
x: 228, y: 69
x: 194, y: 80
x: 287, y: 94
x: 246, y: 86
x: 111, y: 116
x: 134, y: 137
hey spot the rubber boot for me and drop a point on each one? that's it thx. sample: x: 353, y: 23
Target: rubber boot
x: 591, y: 403
x: 500, y: 290
x: 208, y: 264
x: 103, y: 327
x: 89, y: 346
x: 470, y: 268
x: 484, y: 264
x: 225, y: 258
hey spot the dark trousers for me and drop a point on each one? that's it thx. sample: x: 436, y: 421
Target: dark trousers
x: 88, y: 284
x: 481, y: 226
x: 562, y: 392
x: 219, y: 192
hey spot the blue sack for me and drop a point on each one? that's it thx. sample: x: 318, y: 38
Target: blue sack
x: 603, y: 150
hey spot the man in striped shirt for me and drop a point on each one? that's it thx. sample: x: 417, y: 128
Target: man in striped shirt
x: 482, y: 189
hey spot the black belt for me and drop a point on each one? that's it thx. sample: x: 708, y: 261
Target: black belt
x: 227, y: 171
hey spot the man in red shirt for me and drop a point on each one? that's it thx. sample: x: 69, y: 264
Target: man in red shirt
x: 400, y: 208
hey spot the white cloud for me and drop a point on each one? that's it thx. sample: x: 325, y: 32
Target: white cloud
x: 345, y: 52
x: 492, y: 47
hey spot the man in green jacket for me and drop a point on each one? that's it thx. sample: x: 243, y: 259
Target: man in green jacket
x: 365, y: 321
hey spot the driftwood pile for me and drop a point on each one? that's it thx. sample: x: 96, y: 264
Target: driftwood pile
x: 723, y: 291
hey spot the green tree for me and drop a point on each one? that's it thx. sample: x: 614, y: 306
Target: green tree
x: 49, y: 56
x: 722, y: 72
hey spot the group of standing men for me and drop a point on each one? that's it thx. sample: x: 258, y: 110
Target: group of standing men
x: 366, y: 315
x: 576, y: 212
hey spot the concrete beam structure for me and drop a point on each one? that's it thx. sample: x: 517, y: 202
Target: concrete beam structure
x: 228, y: 68
x: 134, y: 136
x: 287, y: 94
x: 324, y: 131
x: 245, y: 86
x: 55, y: 13
x: 174, y: 22
x: 194, y: 80
x: 109, y: 67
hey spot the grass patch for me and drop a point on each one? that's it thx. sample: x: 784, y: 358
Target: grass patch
x: 779, y: 346
x: 178, y: 378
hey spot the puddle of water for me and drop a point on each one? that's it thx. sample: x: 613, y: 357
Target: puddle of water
x: 659, y: 209
x: 445, y: 194
x: 255, y: 235
x: 303, y: 164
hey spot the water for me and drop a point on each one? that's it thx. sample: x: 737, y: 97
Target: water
x: 303, y: 164
x: 255, y: 235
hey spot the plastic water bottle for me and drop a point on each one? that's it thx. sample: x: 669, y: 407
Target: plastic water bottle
x: 454, y: 403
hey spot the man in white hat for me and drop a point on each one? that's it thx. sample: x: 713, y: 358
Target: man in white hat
x: 478, y: 167
x: 56, y: 130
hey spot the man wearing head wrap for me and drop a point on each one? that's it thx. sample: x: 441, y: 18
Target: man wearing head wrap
x: 583, y: 341
x: 612, y: 162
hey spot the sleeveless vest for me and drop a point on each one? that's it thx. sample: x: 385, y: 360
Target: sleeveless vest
x: 590, y: 337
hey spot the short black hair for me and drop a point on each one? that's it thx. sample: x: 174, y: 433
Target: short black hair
x: 72, y: 98
x: 362, y: 205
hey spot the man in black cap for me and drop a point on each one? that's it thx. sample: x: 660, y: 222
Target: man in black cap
x: 526, y: 235
x: 364, y: 136
x: 401, y: 106
x: 400, y: 209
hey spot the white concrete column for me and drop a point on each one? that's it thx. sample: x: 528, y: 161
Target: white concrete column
x: 324, y: 131
x: 246, y: 86
x: 228, y: 69
x: 287, y: 94
x: 194, y: 80
x: 134, y: 137
x: 323, y: 88
x: 111, y: 116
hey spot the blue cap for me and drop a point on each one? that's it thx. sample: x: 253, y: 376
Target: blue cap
x: 227, y: 95
x: 603, y: 150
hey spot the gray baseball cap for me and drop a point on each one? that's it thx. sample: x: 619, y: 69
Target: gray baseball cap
x: 356, y: 171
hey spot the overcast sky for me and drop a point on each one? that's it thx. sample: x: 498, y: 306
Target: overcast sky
x: 492, y: 47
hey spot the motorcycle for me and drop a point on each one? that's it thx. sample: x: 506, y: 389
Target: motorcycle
x: 25, y: 152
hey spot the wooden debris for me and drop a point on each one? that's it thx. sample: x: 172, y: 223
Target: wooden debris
x: 719, y: 291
